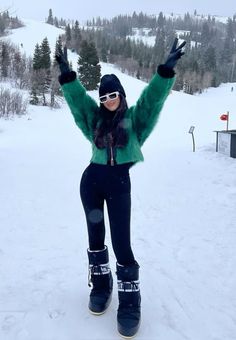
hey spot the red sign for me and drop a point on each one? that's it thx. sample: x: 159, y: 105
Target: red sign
x: 224, y: 117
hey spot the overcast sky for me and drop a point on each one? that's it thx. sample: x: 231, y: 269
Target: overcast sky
x: 87, y: 9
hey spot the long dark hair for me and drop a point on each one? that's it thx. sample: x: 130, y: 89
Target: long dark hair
x: 112, y: 124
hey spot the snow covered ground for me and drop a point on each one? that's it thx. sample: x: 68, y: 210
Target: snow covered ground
x: 183, y: 224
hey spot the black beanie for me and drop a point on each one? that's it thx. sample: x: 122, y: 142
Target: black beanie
x: 110, y: 83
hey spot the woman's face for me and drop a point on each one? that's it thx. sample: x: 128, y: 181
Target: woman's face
x: 112, y: 104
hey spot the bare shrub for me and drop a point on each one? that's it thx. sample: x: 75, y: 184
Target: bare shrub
x: 11, y: 103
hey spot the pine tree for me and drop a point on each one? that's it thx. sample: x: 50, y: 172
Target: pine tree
x: 41, y: 77
x: 56, y: 23
x: 54, y: 85
x: 159, y: 48
x: 45, y: 60
x: 127, y: 52
x: 89, y: 69
x: 58, y: 50
x: 161, y: 21
x: 138, y: 74
x: 2, y: 25
x: 76, y: 36
x: 68, y: 35
x: 228, y: 49
x: 205, y: 35
x: 34, y: 100
x: 37, y: 58
x: 5, y: 60
x: 209, y: 59
x: 104, y: 54
x: 46, y: 66
x: 50, y: 18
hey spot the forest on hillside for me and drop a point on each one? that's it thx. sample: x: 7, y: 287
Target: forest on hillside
x: 210, y: 53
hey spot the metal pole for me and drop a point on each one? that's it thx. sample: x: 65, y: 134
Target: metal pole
x: 191, y: 131
x: 217, y: 141
x: 193, y: 143
x: 227, y: 124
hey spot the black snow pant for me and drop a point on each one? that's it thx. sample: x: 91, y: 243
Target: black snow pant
x: 108, y: 183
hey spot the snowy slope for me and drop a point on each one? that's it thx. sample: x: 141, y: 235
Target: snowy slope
x: 32, y: 33
x: 183, y: 223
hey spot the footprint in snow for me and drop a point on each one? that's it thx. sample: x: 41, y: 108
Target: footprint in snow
x: 8, y: 322
x: 56, y: 314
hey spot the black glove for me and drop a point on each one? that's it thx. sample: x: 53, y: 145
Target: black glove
x: 61, y: 58
x: 175, y: 54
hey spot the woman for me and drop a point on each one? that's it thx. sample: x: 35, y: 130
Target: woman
x: 116, y: 133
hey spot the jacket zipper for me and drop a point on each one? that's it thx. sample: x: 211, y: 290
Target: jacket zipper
x: 111, y: 153
x: 112, y: 157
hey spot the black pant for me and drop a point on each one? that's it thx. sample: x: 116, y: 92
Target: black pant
x: 101, y: 183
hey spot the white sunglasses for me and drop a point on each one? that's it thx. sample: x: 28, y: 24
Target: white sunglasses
x: 109, y: 96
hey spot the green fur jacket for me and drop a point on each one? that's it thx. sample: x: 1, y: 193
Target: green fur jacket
x: 140, y: 119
